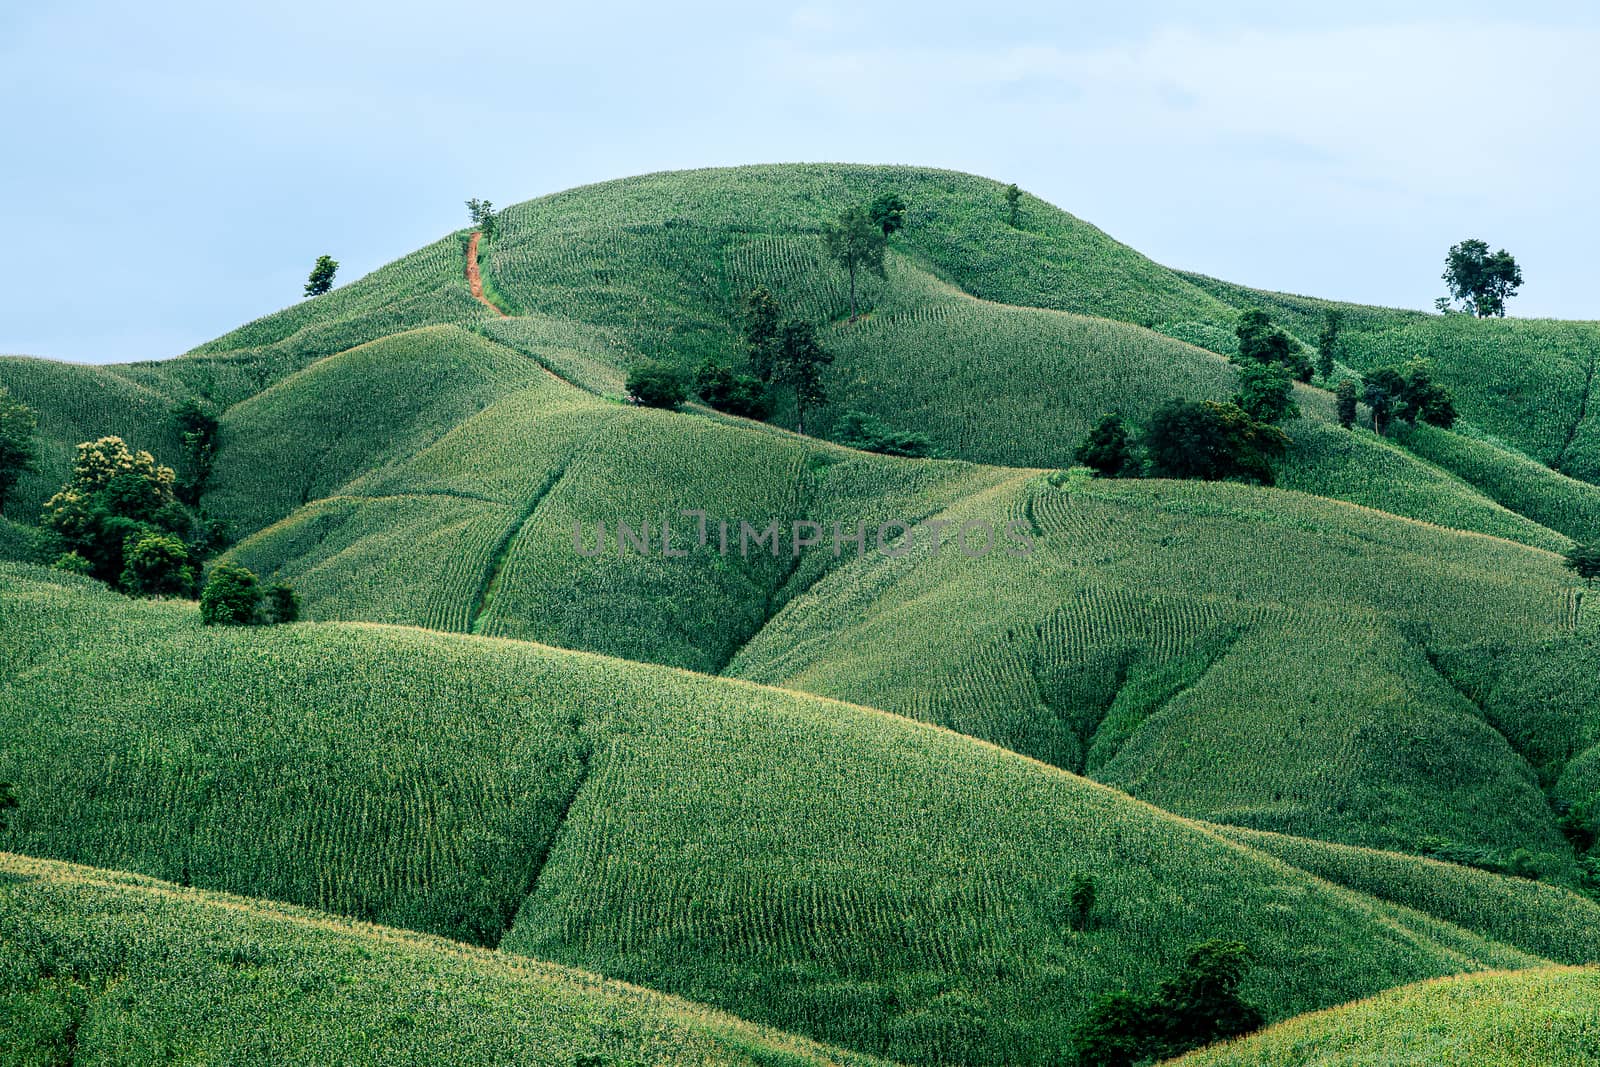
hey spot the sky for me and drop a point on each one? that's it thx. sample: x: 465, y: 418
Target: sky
x: 172, y: 170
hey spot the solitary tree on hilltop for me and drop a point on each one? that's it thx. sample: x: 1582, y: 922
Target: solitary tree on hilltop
x: 484, y: 219
x: 888, y: 212
x: 856, y: 243
x: 1481, y: 281
x: 799, y: 365
x: 18, y: 452
x: 321, y: 279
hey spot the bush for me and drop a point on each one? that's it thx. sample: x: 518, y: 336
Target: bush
x: 858, y: 430
x: 1211, y: 441
x: 1080, y: 901
x: 232, y: 597
x: 656, y: 385
x: 737, y: 394
x: 282, y: 605
x: 1346, y: 399
x: 72, y: 563
x: 1108, y: 450
x: 156, y: 564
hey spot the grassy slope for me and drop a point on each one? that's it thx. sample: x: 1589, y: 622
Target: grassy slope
x: 104, y: 967
x: 1523, y: 1019
x: 1144, y: 641
x: 683, y: 831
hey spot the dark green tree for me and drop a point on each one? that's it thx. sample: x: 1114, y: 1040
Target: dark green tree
x: 888, y: 212
x: 322, y: 273
x: 281, y: 603
x: 1013, y: 206
x: 1383, y: 390
x: 1262, y: 342
x: 232, y: 597
x: 856, y: 429
x: 8, y: 802
x: 1211, y: 441
x: 1345, y: 396
x: 737, y: 394
x: 1081, y: 891
x: 1328, y: 342
x: 762, y: 317
x: 156, y: 564
x: 856, y: 244
x: 801, y: 359
x: 1584, y: 560
x: 1424, y: 398
x: 19, y: 452
x: 1266, y: 392
x: 197, y: 430
x: 1108, y: 449
x: 1481, y: 281
x: 657, y: 385
x: 114, y: 495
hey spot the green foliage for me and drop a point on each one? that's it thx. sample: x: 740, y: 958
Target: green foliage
x: 1199, y: 1006
x: 1328, y: 343
x: 1481, y: 281
x: 156, y: 564
x: 197, y: 430
x: 1346, y: 394
x: 280, y: 603
x: 743, y: 395
x: 1108, y: 450
x: 1266, y: 393
x: 73, y: 563
x: 856, y: 243
x: 8, y: 802
x: 321, y: 279
x: 762, y: 320
x: 1584, y: 561
x: 858, y: 430
x: 1383, y: 391
x: 1409, y: 393
x: 115, y: 498
x: 888, y: 212
x: 657, y: 385
x: 18, y: 450
x: 799, y: 364
x: 232, y: 597
x: 1262, y: 342
x: 1080, y: 900
x: 484, y: 218
x: 1013, y: 205
x: 1211, y: 441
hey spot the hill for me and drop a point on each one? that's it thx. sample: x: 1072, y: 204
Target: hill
x: 110, y: 967
x: 1524, y: 1019
x: 832, y: 870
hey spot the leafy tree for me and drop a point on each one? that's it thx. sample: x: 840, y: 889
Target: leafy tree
x: 1328, y: 342
x: 115, y: 494
x: 1081, y: 890
x: 1013, y: 206
x: 484, y: 219
x: 1262, y: 342
x: 8, y: 802
x: 197, y: 429
x: 1211, y: 441
x: 1345, y: 396
x: 657, y: 385
x: 1425, y: 398
x: 800, y: 362
x: 1108, y: 449
x: 18, y: 451
x: 856, y: 243
x: 1266, y: 392
x: 1482, y: 281
x: 156, y: 564
x: 1383, y: 391
x: 72, y: 563
x: 857, y: 429
x: 322, y: 273
x: 736, y: 394
x: 1198, y: 1006
x: 1584, y: 560
x: 888, y: 212
x: 762, y: 318
x: 232, y: 597
x: 281, y: 603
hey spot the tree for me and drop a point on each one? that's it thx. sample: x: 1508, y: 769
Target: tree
x: 1211, y: 441
x: 1266, y: 392
x: 281, y: 604
x: 484, y: 219
x: 232, y: 597
x: 657, y: 385
x: 1013, y: 206
x: 1584, y: 560
x: 197, y: 429
x: 1481, y: 281
x: 8, y: 802
x: 1383, y: 391
x: 762, y: 317
x: 1262, y: 342
x: 799, y: 365
x: 1346, y: 398
x: 114, y: 494
x: 737, y: 394
x: 1108, y: 449
x: 856, y: 429
x: 1328, y: 342
x: 156, y: 564
x: 18, y: 451
x: 1425, y: 398
x: 888, y: 212
x: 1080, y: 900
x: 856, y: 244
x: 322, y: 273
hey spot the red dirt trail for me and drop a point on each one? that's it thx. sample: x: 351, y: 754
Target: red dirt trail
x: 475, y: 277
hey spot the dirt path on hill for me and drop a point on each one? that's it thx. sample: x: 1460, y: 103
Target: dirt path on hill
x: 475, y: 276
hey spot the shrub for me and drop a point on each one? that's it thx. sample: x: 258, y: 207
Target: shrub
x: 232, y: 597
x: 72, y: 563
x: 1211, y: 441
x: 858, y: 430
x: 8, y: 800
x: 156, y: 564
x: 1346, y: 398
x: 1266, y: 392
x: 282, y: 605
x: 737, y: 394
x: 656, y: 385
x: 1080, y: 900
x: 1108, y: 449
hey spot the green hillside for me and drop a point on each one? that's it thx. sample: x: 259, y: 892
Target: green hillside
x: 1522, y: 1019
x: 832, y: 870
x: 103, y: 967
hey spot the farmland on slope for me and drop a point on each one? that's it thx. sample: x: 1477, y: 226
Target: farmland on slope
x: 836, y: 871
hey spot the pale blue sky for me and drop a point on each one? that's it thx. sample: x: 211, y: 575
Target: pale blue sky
x: 172, y: 169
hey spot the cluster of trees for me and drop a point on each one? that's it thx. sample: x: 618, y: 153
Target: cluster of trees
x: 1408, y: 393
x: 1198, y: 1006
x: 234, y: 596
